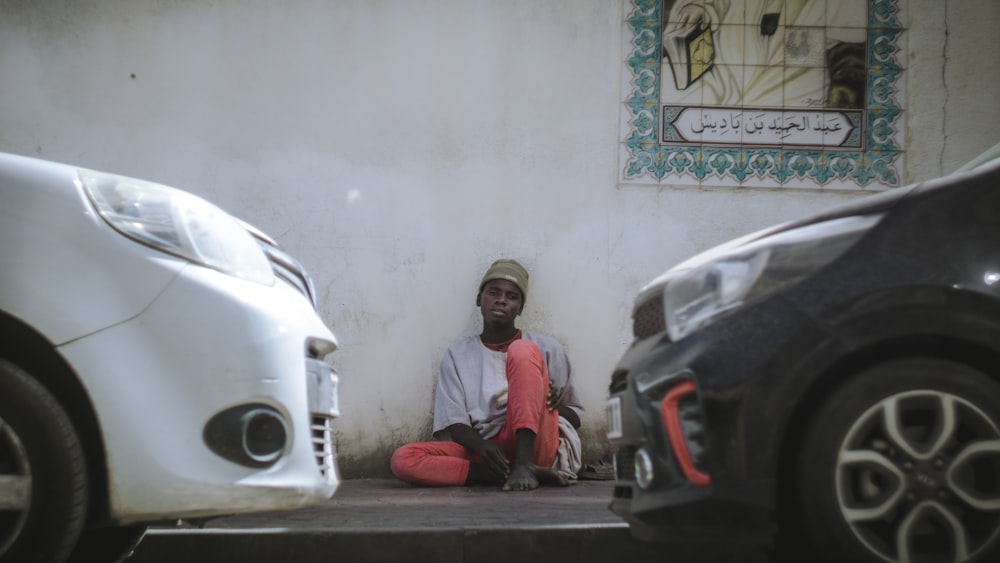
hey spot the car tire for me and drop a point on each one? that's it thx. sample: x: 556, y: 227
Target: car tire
x: 107, y: 545
x: 43, y: 471
x: 902, y: 463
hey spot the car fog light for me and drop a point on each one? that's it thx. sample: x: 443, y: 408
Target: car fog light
x: 643, y: 469
x: 263, y: 435
x: 254, y: 435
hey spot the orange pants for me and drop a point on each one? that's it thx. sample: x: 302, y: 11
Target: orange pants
x: 445, y: 463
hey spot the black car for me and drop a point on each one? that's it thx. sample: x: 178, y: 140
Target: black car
x: 827, y: 388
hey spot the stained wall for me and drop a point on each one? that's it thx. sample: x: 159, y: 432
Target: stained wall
x: 398, y: 147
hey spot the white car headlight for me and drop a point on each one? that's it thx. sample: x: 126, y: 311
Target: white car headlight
x: 178, y: 223
x: 694, y: 297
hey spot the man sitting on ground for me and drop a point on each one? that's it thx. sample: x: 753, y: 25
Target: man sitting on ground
x: 505, y: 409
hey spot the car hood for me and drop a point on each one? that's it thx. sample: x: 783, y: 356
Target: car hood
x: 870, y: 205
x: 875, y: 204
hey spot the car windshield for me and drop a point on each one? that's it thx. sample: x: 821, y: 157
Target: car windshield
x: 990, y: 155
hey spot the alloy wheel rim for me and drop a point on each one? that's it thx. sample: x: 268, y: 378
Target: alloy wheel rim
x: 15, y: 486
x: 918, y: 478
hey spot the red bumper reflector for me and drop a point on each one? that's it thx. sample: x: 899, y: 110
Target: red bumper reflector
x: 675, y: 432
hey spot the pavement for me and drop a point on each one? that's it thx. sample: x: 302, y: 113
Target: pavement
x: 385, y: 520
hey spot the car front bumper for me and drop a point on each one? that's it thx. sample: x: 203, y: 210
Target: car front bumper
x: 714, y: 475
x: 211, y: 342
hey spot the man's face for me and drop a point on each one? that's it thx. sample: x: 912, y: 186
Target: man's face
x: 500, y: 302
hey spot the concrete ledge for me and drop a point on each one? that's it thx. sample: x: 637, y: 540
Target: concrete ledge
x: 386, y: 521
x: 571, y: 544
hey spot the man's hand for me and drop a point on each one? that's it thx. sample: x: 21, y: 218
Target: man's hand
x: 552, y: 400
x: 493, y: 459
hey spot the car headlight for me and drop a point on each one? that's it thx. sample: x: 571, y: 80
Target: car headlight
x: 178, y: 223
x: 725, y: 281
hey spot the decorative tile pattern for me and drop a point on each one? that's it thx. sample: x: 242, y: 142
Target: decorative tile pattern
x: 764, y: 93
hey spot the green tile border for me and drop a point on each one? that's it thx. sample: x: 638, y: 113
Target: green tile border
x: 874, y: 166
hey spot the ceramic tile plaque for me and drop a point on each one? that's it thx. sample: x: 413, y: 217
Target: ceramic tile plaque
x: 764, y: 93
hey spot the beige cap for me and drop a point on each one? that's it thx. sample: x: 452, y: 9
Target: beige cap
x: 510, y: 270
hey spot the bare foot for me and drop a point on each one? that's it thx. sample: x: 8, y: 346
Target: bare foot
x: 522, y: 478
x: 526, y: 478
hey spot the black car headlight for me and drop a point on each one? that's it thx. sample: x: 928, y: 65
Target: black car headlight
x: 701, y: 290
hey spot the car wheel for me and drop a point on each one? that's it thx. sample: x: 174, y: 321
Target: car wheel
x: 902, y: 464
x: 107, y: 545
x: 43, y: 494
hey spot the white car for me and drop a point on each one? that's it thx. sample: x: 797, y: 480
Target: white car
x: 159, y: 360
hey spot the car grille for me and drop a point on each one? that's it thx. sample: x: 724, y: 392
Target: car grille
x: 322, y: 441
x: 285, y: 267
x: 624, y: 472
x: 288, y: 269
x: 625, y: 463
x: 648, y: 319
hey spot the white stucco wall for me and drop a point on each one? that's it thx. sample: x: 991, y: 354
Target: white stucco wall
x: 398, y: 147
